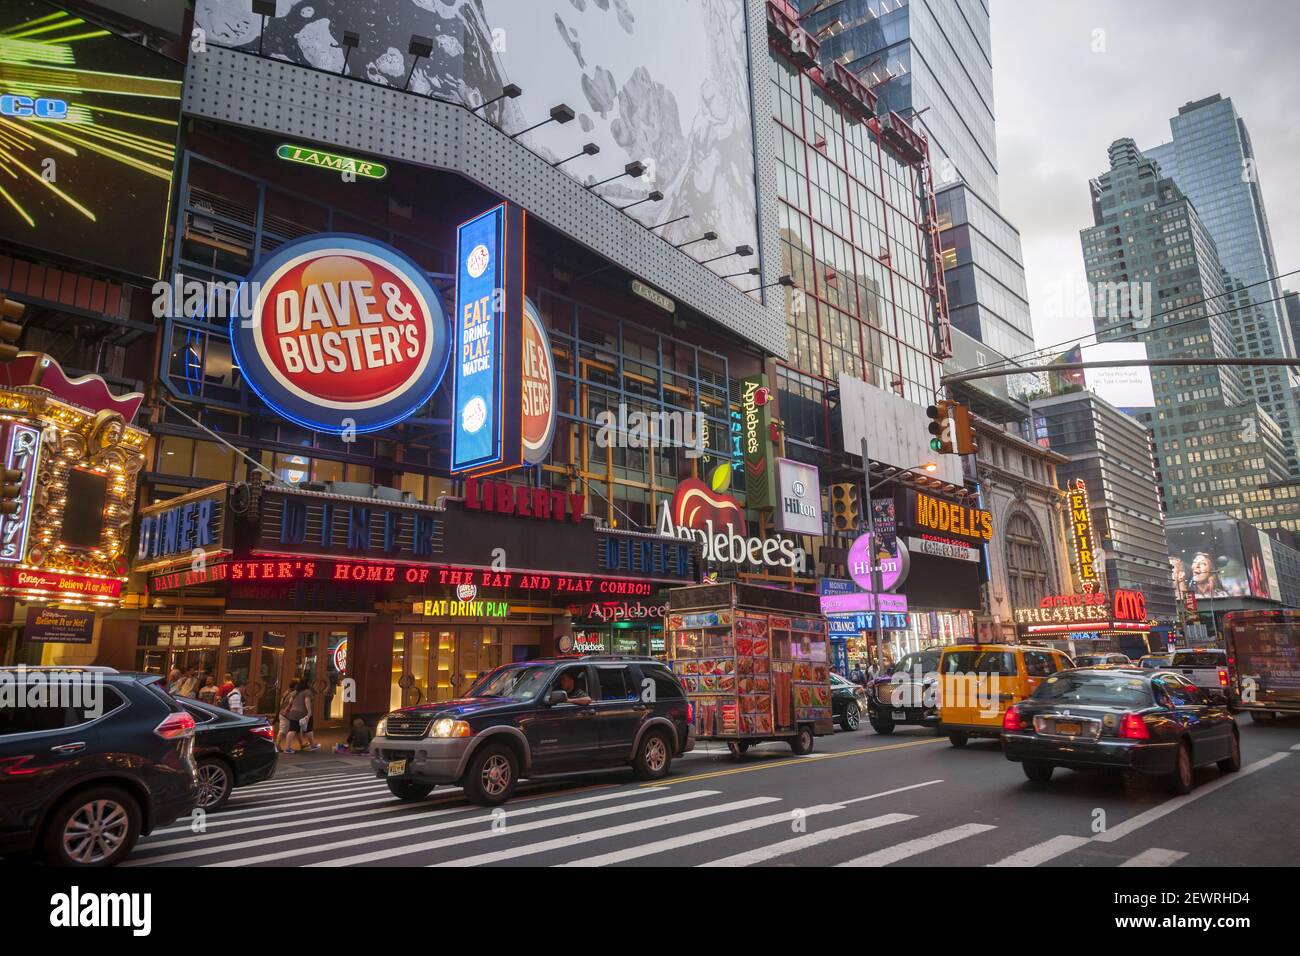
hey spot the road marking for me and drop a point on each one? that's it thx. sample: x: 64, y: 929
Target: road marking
x: 1155, y: 857
x: 1042, y: 852
x: 1121, y: 830
x: 302, y: 790
x: 890, y: 793
x: 690, y: 839
x: 622, y: 829
x: 770, y: 764
x: 486, y: 832
x: 297, y: 779
x: 1295, y: 746
x: 902, y: 851
x: 806, y: 840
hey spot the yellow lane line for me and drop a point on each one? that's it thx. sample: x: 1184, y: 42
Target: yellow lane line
x: 768, y: 764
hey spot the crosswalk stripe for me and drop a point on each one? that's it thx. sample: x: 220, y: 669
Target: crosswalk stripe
x: 297, y: 779
x: 622, y: 829
x: 690, y: 839
x: 910, y: 848
x: 335, y: 786
x: 1121, y: 830
x: 269, y: 810
x: 1042, y: 852
x: 805, y: 840
x: 1155, y: 857
x: 485, y: 822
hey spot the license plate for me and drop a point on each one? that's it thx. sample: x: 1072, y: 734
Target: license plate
x: 900, y: 715
x: 396, y: 768
x: 1070, y: 727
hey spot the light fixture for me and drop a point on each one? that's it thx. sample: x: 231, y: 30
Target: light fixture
x: 707, y: 237
x: 588, y: 149
x: 561, y: 114
x: 419, y: 47
x: 751, y: 271
x: 738, y: 251
x: 265, y: 9
x: 653, y: 196
x: 349, y: 43
x: 509, y: 91
x: 635, y: 169
x: 668, y: 222
x: 785, y: 280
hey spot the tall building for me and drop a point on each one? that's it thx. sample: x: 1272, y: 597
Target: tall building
x: 1155, y: 260
x: 1291, y: 301
x: 1111, y: 454
x: 1211, y: 159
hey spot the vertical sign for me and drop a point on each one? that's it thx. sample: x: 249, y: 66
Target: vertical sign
x: 22, y: 453
x: 538, y: 388
x: 488, y: 357
x: 1085, y: 556
x: 756, y: 422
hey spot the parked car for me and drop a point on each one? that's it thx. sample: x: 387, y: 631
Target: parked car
x: 906, y: 694
x: 847, y: 702
x: 1129, y: 719
x: 520, y: 721
x: 107, y: 759
x: 1152, y: 662
x: 978, y: 682
x: 1103, y: 660
x: 1208, y: 669
x: 230, y: 751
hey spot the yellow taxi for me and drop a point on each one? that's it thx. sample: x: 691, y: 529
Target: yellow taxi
x: 978, y: 682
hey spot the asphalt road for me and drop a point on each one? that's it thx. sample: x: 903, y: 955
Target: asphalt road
x: 860, y: 799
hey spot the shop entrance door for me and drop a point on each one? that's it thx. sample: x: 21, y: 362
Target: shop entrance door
x: 268, y: 658
x: 440, y: 663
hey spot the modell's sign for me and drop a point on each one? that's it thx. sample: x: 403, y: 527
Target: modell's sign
x: 346, y: 334
x: 949, y: 518
x: 717, y: 521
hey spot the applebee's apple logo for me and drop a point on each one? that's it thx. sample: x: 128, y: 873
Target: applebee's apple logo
x: 707, y: 514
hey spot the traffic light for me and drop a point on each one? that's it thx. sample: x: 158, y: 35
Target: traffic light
x: 941, y: 427
x: 846, y: 511
x: 11, y: 487
x: 11, y: 327
x: 963, y: 429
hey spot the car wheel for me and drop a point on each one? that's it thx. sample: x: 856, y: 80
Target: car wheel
x: 654, y: 755
x: 491, y: 776
x: 409, y: 790
x: 1179, y: 780
x: 852, y: 718
x: 803, y: 742
x: 96, y: 828
x: 1261, y: 716
x: 737, y: 748
x: 958, y: 740
x: 1038, y: 772
x: 215, y: 783
x: 882, y: 726
x: 1232, y: 763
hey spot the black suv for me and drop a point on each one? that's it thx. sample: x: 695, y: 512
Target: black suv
x: 520, y: 721
x: 90, y: 759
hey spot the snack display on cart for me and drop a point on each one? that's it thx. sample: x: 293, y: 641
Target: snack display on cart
x: 754, y: 661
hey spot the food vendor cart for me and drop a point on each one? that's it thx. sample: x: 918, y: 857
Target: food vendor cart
x: 754, y: 662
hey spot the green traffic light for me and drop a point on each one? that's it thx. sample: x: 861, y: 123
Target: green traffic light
x: 936, y: 444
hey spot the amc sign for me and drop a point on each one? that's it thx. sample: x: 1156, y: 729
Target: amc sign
x: 1128, y: 606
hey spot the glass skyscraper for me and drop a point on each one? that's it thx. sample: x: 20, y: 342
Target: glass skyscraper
x: 1211, y: 159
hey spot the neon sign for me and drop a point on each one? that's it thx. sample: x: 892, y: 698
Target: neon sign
x: 339, y: 164
x: 30, y: 107
x: 1081, y: 533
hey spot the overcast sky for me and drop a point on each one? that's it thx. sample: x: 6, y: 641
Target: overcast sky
x: 1059, y: 105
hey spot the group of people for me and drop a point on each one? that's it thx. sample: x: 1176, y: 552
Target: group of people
x: 201, y: 685
x: 296, y: 725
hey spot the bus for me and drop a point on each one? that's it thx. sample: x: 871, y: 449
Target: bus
x: 1264, y: 660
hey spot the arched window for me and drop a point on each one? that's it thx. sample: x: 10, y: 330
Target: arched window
x: 1027, y: 569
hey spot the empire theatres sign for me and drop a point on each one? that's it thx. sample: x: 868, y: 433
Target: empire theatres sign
x: 1124, y: 610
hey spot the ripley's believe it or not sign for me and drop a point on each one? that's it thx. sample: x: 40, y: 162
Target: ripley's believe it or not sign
x: 346, y: 334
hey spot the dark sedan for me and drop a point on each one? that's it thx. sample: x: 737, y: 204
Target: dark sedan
x: 230, y: 751
x: 848, y: 700
x: 1138, y: 721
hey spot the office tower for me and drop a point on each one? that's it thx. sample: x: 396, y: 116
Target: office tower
x: 1158, y: 278
x: 1211, y: 159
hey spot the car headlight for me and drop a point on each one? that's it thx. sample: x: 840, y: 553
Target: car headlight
x: 446, y: 727
x: 381, y: 728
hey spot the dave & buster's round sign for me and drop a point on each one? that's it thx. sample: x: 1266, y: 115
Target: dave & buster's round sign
x: 345, y: 333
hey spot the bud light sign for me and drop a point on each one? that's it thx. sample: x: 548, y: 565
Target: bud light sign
x: 346, y: 334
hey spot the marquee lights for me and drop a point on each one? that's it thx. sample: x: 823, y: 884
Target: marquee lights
x: 1081, y: 533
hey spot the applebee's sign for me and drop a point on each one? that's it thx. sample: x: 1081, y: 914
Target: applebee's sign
x: 345, y: 334
x: 717, y: 521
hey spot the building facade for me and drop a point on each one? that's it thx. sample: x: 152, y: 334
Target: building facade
x: 1110, y: 452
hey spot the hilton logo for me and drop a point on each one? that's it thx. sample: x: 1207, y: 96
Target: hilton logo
x: 796, y: 504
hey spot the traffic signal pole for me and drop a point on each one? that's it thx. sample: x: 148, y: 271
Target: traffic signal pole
x: 868, y: 513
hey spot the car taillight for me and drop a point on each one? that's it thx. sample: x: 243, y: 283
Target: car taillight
x: 176, y: 725
x: 1011, y: 719
x: 13, y: 766
x: 1223, y: 678
x: 263, y: 730
x: 1133, y: 727
x: 690, y: 713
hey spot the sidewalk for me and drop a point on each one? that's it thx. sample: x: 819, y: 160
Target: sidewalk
x: 324, y: 760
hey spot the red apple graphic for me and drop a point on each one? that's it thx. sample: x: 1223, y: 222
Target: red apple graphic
x: 696, y: 503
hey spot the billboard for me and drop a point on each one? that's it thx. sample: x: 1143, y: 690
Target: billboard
x: 1127, y: 387
x: 1206, y: 558
x: 666, y: 84
x: 88, y: 125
